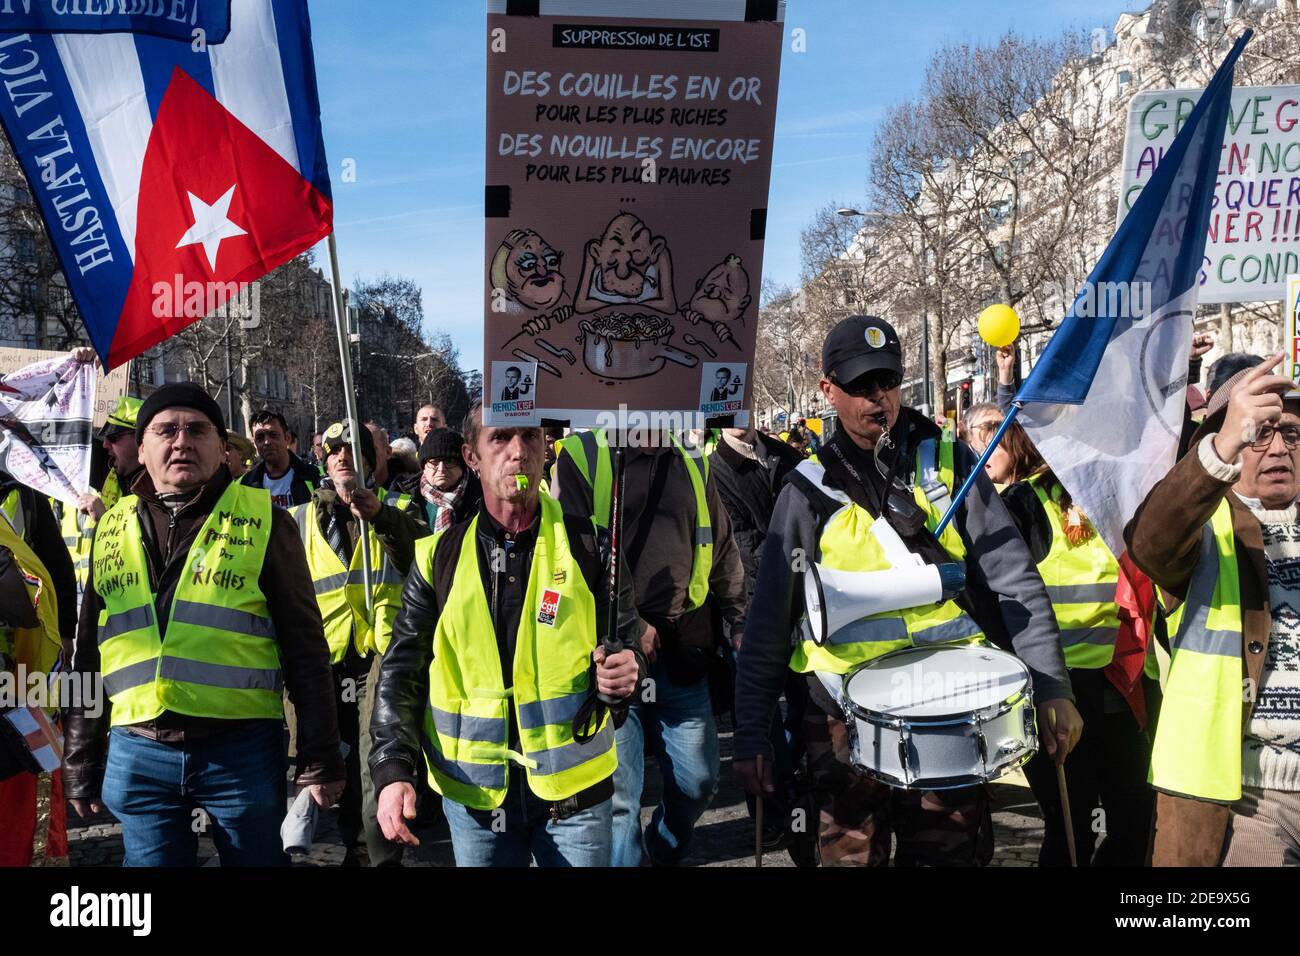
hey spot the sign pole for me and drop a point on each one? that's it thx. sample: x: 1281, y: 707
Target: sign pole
x: 350, y: 409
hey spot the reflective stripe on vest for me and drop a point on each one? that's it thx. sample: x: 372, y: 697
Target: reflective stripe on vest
x: 1198, y: 739
x: 340, y: 591
x: 593, y: 446
x: 466, y: 723
x: 394, y: 498
x: 845, y: 544
x: 78, y: 532
x: 1081, y: 581
x: 220, y: 657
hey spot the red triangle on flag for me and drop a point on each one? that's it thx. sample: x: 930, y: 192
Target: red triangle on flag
x: 211, y: 190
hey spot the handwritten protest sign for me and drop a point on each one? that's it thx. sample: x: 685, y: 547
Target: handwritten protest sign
x: 1291, y: 328
x: 1254, y: 234
x: 108, y: 388
x: 628, y: 160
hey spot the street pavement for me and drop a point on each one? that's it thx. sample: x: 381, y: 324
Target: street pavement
x: 723, y: 837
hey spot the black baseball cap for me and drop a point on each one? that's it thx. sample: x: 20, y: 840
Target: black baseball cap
x: 861, y: 344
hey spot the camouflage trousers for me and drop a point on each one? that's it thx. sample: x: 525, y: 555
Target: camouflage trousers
x: 858, y: 817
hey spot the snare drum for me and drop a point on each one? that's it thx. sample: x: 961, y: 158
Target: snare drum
x: 938, y: 718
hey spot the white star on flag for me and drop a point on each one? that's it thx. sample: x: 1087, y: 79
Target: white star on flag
x: 211, y: 225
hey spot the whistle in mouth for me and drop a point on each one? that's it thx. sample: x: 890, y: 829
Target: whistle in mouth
x: 521, y: 482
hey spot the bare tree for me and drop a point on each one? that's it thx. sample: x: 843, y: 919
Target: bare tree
x: 32, y: 285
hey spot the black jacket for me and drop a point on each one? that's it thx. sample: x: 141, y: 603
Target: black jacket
x: 466, y: 506
x: 749, y: 491
x: 306, y: 478
x: 402, y: 694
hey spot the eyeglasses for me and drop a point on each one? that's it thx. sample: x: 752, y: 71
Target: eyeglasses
x: 882, y: 380
x: 1264, y: 437
x: 168, y: 431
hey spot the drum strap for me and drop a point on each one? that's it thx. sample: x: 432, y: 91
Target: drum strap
x: 834, y: 684
x: 821, y: 503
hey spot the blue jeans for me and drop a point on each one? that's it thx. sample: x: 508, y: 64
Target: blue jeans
x: 156, y: 790
x: 682, y: 732
x: 521, y: 830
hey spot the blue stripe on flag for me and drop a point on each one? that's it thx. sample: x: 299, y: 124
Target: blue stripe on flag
x: 1161, y: 242
x: 293, y: 34
x: 104, y: 285
x: 159, y: 58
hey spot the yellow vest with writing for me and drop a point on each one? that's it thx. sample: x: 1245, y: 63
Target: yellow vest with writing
x: 220, y: 657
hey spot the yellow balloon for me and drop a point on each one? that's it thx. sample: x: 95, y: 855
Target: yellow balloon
x: 999, y: 325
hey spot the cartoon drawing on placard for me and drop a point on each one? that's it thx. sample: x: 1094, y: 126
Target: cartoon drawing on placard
x: 722, y: 387
x: 514, y: 393
x: 720, y: 299
x: 526, y: 278
x: 627, y: 265
x: 514, y: 390
x: 620, y: 346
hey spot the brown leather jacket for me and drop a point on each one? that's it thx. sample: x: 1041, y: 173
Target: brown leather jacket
x: 304, y: 655
x: 1163, y: 539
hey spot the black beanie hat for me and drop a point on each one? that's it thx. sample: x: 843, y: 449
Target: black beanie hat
x: 339, y: 435
x: 441, y: 443
x: 179, y: 395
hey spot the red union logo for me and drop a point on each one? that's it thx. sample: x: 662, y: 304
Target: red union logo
x: 550, y: 607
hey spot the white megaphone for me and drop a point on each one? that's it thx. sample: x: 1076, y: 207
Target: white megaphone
x: 834, y: 599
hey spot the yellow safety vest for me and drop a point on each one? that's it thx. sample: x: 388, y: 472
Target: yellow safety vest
x: 845, y: 544
x: 590, y: 452
x: 1081, y: 581
x: 220, y: 657
x: 1197, y: 747
x: 78, y: 532
x: 467, y: 723
x: 36, y: 648
x: 341, y: 593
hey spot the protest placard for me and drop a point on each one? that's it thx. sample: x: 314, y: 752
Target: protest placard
x: 1254, y: 232
x: 108, y: 388
x: 629, y: 151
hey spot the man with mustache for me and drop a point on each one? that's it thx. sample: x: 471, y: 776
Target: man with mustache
x: 1220, y: 534
x: 628, y: 265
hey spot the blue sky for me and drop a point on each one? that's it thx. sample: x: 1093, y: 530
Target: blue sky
x: 402, y: 95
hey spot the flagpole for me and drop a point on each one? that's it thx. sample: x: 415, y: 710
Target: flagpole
x: 978, y: 469
x: 350, y: 409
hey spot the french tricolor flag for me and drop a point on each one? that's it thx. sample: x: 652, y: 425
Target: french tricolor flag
x: 173, y: 152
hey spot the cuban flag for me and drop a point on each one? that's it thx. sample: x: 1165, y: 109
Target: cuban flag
x: 1105, y: 402
x: 171, y: 157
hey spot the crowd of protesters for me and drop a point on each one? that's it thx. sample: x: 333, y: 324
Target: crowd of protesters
x: 484, y: 630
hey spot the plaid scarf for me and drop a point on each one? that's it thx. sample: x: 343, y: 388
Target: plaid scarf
x: 443, y: 501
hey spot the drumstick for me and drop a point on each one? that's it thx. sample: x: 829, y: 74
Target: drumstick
x: 758, y: 814
x: 1065, y: 797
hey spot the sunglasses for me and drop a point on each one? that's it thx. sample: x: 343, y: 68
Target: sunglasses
x: 864, y: 386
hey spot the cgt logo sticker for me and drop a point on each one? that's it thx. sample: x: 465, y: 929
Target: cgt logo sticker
x: 550, y: 608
